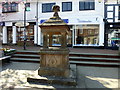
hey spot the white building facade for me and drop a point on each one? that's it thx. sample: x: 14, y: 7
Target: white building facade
x: 85, y: 18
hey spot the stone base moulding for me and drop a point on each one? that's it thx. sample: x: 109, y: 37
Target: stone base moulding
x: 53, y: 72
x: 53, y: 80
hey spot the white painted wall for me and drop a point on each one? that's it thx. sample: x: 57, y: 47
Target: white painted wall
x: 19, y: 16
x: 75, y: 16
x: 75, y: 13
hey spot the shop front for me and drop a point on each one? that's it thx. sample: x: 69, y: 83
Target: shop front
x: 29, y: 35
x: 14, y: 34
x: 86, y: 35
x: 88, y: 32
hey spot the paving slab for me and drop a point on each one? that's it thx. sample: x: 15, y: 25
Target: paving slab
x: 87, y: 77
x: 99, y: 77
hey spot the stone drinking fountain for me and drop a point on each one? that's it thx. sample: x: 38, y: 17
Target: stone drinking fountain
x: 54, y: 61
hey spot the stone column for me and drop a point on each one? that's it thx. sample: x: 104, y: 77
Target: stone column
x: 63, y: 40
x: 4, y: 35
x: 14, y: 34
x: 39, y: 36
x: 45, y: 38
x: 35, y: 34
x: 50, y: 40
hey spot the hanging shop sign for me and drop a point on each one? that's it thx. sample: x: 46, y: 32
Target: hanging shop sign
x: 21, y: 24
x: 8, y: 23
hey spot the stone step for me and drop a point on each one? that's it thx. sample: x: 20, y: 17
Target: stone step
x: 83, y: 63
x: 97, y: 64
x: 26, y: 52
x: 26, y: 56
x: 71, y: 58
x: 25, y: 60
x: 94, y: 59
x: 94, y: 55
x: 85, y: 59
x: 73, y: 54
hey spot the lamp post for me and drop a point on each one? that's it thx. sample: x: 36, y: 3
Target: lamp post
x: 25, y: 26
x: 37, y: 19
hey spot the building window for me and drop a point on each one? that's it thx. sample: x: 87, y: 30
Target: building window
x: 66, y: 6
x: 87, y: 5
x: 9, y: 7
x: 47, y: 7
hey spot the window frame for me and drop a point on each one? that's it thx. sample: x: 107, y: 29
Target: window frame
x: 45, y: 7
x: 10, y: 7
x: 90, y: 5
x: 67, y: 8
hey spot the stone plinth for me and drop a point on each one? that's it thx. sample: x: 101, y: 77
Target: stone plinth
x: 54, y: 62
x: 50, y: 80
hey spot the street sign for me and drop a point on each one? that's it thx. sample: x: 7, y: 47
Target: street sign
x: 115, y: 38
x: 27, y: 8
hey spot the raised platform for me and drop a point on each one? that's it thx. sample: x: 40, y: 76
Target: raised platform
x: 53, y: 80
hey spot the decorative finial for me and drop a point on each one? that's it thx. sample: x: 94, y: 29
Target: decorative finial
x: 56, y: 9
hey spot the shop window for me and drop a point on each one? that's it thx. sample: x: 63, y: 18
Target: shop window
x: 9, y: 7
x: 47, y: 7
x: 66, y: 6
x: 90, y: 32
x: 20, y: 34
x: 56, y: 40
x: 87, y: 5
x: 9, y: 35
x: 95, y: 40
x: 29, y: 33
x: 79, y: 39
x: 69, y: 35
x: 96, y: 32
x: 86, y: 34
